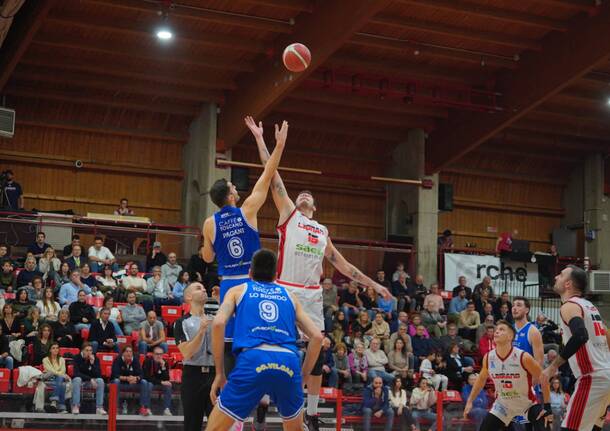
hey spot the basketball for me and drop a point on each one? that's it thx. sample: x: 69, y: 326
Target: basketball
x: 296, y: 57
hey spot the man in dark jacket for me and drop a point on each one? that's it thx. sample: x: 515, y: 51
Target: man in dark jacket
x: 376, y: 402
x: 87, y: 373
x: 102, y: 335
x: 126, y: 372
x: 156, y: 373
x: 81, y: 313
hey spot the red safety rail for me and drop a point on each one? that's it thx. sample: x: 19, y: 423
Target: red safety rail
x: 112, y: 406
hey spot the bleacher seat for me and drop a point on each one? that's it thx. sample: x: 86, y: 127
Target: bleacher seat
x: 175, y: 376
x: 106, y: 359
x: 124, y: 340
x: 23, y: 389
x: 186, y: 308
x: 68, y: 351
x: 172, y: 347
x: 106, y: 371
x: 5, y: 380
x: 451, y: 396
x: 10, y: 295
x: 175, y: 359
x: 84, y: 334
x: 171, y: 313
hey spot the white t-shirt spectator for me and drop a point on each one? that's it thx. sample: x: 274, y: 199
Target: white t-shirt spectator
x: 103, y: 253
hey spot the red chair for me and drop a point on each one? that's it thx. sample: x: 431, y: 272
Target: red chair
x: 171, y: 313
x: 135, y: 336
x: 90, y: 300
x: 172, y: 347
x: 446, y: 294
x: 70, y: 370
x: 451, y: 396
x: 106, y: 371
x: 98, y: 301
x: 176, y: 359
x: 5, y: 380
x: 120, y: 304
x: 186, y: 308
x: 10, y: 295
x: 106, y: 359
x: 84, y: 334
x: 175, y: 376
x: 63, y: 351
x: 124, y: 340
x: 23, y: 389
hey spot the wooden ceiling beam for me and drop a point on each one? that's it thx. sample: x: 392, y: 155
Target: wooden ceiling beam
x: 136, y: 50
x: 160, y: 73
x: 539, y: 77
x: 578, y: 95
x: 202, y: 14
x: 25, y: 25
x: 381, y: 42
x: 533, y: 123
x: 324, y: 32
x: 489, y: 12
x: 145, y: 31
x: 123, y: 86
x: 505, y: 176
x: 329, y: 97
x: 576, y: 5
x: 571, y: 115
x: 294, y: 5
x: 550, y: 140
x: 487, y: 37
x: 20, y: 89
x: 506, y: 148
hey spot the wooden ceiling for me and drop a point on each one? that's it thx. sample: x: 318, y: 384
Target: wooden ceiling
x: 489, y: 78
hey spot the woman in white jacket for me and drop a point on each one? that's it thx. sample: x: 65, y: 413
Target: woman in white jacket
x: 398, y: 402
x: 49, y: 264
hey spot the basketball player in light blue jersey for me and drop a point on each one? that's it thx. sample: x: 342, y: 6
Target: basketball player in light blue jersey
x: 527, y: 338
x: 231, y: 234
x: 266, y: 320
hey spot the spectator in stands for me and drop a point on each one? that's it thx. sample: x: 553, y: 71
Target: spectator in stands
x: 350, y: 300
x: 337, y: 335
x: 342, y: 367
x: 358, y: 364
x: 76, y: 260
x: 28, y: 273
x: 481, y: 304
x: 101, y: 335
x: 400, y: 291
x: 387, y: 306
x: 115, y: 315
x: 469, y: 322
x: 398, y: 403
x: 156, y: 372
x: 463, y: 284
x: 31, y: 324
x: 403, y: 333
x: 4, y: 252
x: 171, y: 269
x: 49, y: 264
x: 197, y: 267
x: 99, y: 256
x: 12, y: 193
x: 504, y: 313
x: 55, y: 365
x: 36, y: 290
x: 482, y: 329
x: 433, y: 321
x: 423, y: 399
x: 381, y: 330
x: 133, y: 315
x: 106, y: 283
x: 416, y: 321
x: 453, y: 337
x: 39, y: 246
x: 457, y: 305
x: 457, y: 368
x: 329, y: 302
x: 6, y: 360
x: 64, y: 330
x: 341, y: 320
x: 417, y: 291
x: 377, y: 361
x: 89, y: 280
x: 445, y: 241
x: 8, y: 281
x: 69, y: 291
x: 81, y: 313
x: 434, y: 301
x: 558, y: 403
x: 87, y: 373
x: 380, y: 276
x: 421, y: 344
x: 155, y: 257
x: 181, y: 284
x: 42, y: 343
x: 400, y: 361
x: 152, y: 334
x: 136, y: 284
x: 369, y: 301
x: 22, y: 305
x: 549, y: 331
x: 123, y: 208
x: 159, y: 288
x: 503, y: 299
x: 504, y: 244
x: 329, y: 373
x: 479, y: 405
x: 485, y: 284
x: 67, y: 252
x: 549, y: 357
x: 400, y: 269
x: 376, y: 402
x: 126, y: 372
x: 487, y: 343
x: 363, y: 324
x: 62, y: 276
x: 426, y: 368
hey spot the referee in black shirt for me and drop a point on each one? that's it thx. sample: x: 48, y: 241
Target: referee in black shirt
x: 193, y: 336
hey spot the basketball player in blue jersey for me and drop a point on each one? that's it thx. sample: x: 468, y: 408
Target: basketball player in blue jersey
x: 266, y: 320
x: 231, y: 234
x: 527, y: 338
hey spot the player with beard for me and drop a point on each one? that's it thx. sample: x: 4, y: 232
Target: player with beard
x: 585, y: 340
x: 304, y: 243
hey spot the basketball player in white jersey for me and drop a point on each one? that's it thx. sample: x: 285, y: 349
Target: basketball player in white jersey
x: 303, y: 245
x: 512, y: 371
x: 585, y: 340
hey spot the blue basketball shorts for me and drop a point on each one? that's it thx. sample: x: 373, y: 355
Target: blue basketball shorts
x: 259, y: 372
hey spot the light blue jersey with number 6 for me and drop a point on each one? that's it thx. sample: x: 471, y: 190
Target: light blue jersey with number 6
x: 235, y: 242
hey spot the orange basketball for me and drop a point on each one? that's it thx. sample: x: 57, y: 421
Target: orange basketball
x: 296, y: 57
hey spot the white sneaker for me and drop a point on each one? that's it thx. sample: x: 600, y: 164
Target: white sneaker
x: 167, y: 412
x: 75, y: 410
x: 101, y: 411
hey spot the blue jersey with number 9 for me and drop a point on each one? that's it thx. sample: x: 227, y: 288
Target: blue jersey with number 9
x: 265, y: 314
x: 235, y: 241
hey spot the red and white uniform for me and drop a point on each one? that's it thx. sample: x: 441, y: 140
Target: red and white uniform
x: 513, y: 383
x: 591, y: 367
x: 300, y: 257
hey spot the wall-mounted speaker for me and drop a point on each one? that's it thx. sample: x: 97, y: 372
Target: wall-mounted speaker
x: 445, y: 197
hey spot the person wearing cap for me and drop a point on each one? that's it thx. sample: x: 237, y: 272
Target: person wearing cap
x: 12, y: 193
x: 155, y: 257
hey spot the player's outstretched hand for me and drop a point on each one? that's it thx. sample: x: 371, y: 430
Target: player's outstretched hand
x: 281, y: 133
x: 257, y: 131
x: 382, y: 291
x: 219, y: 382
x: 467, y: 409
x: 547, y: 414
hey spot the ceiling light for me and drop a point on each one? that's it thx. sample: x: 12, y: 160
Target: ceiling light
x: 608, y: 101
x: 164, y: 34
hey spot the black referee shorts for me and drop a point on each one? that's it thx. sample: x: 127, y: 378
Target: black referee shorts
x: 195, y: 395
